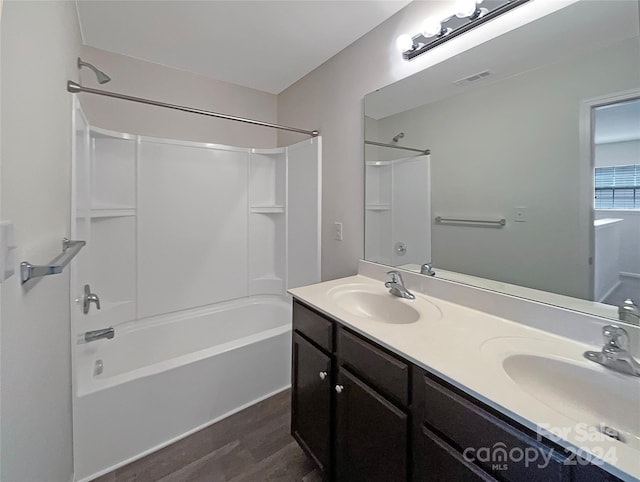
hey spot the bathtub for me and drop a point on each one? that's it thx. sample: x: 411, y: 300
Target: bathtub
x: 163, y: 378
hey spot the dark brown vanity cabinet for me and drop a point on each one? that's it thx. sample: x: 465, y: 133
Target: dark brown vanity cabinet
x: 346, y: 410
x: 312, y: 379
x: 365, y: 414
x: 457, y: 438
x: 371, y: 434
x: 311, y: 403
x: 372, y: 417
x: 450, y: 427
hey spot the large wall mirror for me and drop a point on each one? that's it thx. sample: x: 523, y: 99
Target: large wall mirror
x: 532, y: 184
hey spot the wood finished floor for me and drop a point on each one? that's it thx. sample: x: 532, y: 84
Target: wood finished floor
x: 253, y: 445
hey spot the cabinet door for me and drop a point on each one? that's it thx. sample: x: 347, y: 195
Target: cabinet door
x: 371, y: 434
x: 311, y: 401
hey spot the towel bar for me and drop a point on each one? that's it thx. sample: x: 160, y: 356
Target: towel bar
x: 498, y: 222
x: 70, y: 249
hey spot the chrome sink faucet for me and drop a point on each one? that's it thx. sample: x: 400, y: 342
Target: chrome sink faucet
x: 396, y: 286
x: 615, y: 352
x: 427, y: 269
x: 628, y: 311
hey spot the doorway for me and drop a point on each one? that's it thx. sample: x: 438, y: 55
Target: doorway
x: 615, y: 183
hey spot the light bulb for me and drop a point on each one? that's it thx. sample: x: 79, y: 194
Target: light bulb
x: 431, y: 27
x: 404, y: 42
x: 466, y: 8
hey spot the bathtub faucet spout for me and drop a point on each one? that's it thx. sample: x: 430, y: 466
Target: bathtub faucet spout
x: 108, y: 333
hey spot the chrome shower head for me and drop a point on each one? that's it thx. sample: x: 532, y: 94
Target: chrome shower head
x: 398, y: 137
x: 102, y: 77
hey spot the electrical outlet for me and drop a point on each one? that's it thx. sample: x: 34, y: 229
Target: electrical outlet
x: 337, y: 231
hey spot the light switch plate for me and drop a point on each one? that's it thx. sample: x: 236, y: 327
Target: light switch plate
x: 337, y: 229
x: 520, y: 214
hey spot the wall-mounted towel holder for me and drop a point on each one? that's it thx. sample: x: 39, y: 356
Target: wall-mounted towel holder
x: 70, y: 248
x: 477, y: 222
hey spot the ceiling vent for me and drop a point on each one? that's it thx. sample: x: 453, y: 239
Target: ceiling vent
x: 473, y: 78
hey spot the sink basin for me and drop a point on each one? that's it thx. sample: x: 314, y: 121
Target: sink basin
x: 579, y: 392
x: 555, y: 374
x: 381, y: 306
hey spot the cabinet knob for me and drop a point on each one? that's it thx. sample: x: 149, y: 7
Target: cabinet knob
x: 322, y: 375
x: 339, y: 388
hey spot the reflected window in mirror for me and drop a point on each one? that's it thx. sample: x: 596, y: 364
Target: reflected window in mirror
x: 617, y: 187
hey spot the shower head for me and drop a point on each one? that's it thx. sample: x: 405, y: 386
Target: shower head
x: 102, y: 77
x: 398, y: 137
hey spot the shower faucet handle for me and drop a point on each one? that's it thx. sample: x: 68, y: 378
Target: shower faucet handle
x: 89, y: 298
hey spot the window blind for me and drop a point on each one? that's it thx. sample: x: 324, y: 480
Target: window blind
x: 617, y: 187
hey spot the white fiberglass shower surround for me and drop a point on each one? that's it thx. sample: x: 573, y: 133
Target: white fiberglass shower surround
x: 191, y: 248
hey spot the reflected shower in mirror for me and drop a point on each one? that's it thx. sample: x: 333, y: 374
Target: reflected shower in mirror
x: 524, y: 132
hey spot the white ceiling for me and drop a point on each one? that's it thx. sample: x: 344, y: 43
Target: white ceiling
x: 266, y: 45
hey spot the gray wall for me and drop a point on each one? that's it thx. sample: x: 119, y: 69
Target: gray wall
x: 330, y: 99
x: 40, y: 42
x: 153, y: 81
x: 516, y: 143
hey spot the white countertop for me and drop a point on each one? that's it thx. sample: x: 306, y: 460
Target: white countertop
x: 460, y: 347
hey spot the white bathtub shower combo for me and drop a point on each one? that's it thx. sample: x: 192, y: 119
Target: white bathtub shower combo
x: 191, y: 248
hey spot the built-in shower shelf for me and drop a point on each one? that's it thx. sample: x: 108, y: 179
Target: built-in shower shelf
x: 273, y: 209
x: 378, y: 207
x: 113, y: 213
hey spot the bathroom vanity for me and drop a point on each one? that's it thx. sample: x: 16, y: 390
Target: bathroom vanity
x: 368, y: 405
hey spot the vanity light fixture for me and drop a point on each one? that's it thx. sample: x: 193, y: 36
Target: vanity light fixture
x: 466, y: 14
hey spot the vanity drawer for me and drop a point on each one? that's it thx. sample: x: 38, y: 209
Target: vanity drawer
x: 378, y: 368
x: 508, y: 453
x: 313, y: 326
x: 436, y: 461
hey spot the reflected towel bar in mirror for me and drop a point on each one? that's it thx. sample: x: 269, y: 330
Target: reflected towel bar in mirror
x: 497, y: 222
x: 70, y: 249
x: 426, y: 152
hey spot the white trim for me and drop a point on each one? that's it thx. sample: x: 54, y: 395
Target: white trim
x: 82, y: 37
x: 587, y: 165
x: 319, y: 201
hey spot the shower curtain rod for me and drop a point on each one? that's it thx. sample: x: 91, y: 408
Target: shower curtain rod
x: 75, y: 88
x: 382, y: 144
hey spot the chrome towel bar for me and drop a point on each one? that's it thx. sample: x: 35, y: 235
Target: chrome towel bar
x: 498, y: 222
x: 426, y: 152
x: 70, y: 248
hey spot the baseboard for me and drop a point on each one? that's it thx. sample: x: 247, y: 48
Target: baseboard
x: 182, y: 436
